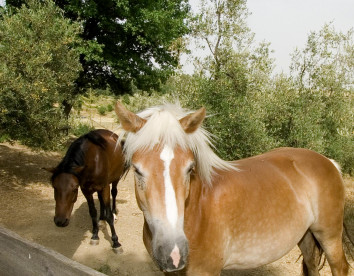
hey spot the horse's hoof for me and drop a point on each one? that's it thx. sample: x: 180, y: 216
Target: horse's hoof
x: 94, y: 242
x: 102, y: 225
x: 118, y: 250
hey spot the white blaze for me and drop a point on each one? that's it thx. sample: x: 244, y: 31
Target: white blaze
x: 170, y: 196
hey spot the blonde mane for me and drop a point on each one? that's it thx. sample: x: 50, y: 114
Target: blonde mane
x: 163, y: 128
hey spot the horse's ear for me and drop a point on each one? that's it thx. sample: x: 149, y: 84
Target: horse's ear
x: 51, y: 170
x: 130, y: 121
x: 191, y: 122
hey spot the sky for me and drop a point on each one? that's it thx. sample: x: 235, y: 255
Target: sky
x: 286, y: 24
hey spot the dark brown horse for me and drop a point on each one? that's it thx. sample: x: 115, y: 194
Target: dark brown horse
x: 203, y: 214
x: 92, y: 162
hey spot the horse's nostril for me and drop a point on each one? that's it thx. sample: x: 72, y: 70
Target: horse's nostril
x: 61, y: 222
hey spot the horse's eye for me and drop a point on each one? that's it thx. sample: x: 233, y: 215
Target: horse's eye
x: 75, y: 192
x: 137, y: 172
x: 191, y: 168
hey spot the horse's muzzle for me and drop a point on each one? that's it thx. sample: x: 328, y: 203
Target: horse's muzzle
x: 171, y: 256
x: 61, y: 222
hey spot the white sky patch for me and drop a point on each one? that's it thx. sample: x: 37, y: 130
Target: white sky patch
x: 170, y: 196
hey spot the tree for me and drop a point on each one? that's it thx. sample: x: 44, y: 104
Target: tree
x: 230, y: 80
x: 220, y: 26
x: 313, y: 107
x: 39, y: 62
x: 324, y: 70
x: 126, y: 41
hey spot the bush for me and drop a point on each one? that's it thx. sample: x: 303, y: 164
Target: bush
x: 81, y: 129
x: 39, y: 64
x: 234, y: 118
x: 102, y: 110
x: 109, y: 108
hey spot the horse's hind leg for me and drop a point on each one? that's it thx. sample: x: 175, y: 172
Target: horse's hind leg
x: 333, y: 247
x: 328, y: 226
x: 102, y: 220
x: 114, y: 193
x: 311, y: 253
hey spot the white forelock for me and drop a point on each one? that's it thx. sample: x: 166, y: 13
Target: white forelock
x: 163, y: 128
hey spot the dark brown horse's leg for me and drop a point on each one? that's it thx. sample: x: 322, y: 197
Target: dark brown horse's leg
x: 311, y: 252
x: 109, y: 218
x: 101, y: 222
x: 93, y: 214
x: 114, y: 193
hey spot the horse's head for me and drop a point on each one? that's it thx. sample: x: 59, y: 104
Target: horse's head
x: 163, y: 165
x: 65, y: 194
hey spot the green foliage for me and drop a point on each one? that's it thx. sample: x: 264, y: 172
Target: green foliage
x: 4, y: 138
x: 220, y: 27
x: 239, y: 130
x: 293, y: 118
x: 81, y: 129
x: 102, y: 110
x: 38, y: 65
x: 324, y: 72
x: 109, y: 108
x: 126, y: 41
x: 141, y: 100
x: 231, y: 79
x: 252, y: 112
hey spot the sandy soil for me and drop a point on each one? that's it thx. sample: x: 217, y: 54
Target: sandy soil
x: 27, y: 207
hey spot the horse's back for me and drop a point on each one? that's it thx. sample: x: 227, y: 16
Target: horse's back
x: 308, y: 177
x: 302, y: 167
x: 104, y: 157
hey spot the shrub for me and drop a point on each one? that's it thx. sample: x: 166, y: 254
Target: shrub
x: 81, y: 129
x: 109, y: 108
x: 102, y: 110
x: 38, y: 64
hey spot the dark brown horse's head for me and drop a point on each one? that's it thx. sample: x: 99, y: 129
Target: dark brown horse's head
x: 66, y: 187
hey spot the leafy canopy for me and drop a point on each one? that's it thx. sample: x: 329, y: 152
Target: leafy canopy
x: 126, y: 41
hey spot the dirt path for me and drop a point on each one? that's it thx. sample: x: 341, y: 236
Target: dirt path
x: 27, y: 207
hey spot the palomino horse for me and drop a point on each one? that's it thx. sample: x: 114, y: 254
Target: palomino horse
x: 92, y: 162
x: 203, y: 214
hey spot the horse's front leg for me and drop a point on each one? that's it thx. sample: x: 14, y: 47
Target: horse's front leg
x: 93, y: 214
x: 109, y: 218
x: 114, y: 193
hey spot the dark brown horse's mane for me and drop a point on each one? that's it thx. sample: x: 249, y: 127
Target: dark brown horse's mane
x: 75, y: 156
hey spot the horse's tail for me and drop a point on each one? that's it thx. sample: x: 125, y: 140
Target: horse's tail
x: 350, y: 238
x: 336, y: 165
x: 319, y: 254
